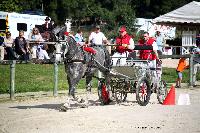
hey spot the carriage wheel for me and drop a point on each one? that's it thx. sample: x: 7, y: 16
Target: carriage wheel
x: 103, y: 93
x: 143, y: 91
x: 162, y: 91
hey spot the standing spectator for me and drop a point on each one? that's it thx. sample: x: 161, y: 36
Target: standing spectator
x: 125, y: 44
x: 47, y: 26
x: 1, y: 48
x: 160, y: 42
x: 52, y: 24
x: 196, y: 61
x: 150, y: 55
x: 9, y: 42
x: 79, y: 38
x: 68, y: 25
x: 21, y: 46
x: 180, y: 68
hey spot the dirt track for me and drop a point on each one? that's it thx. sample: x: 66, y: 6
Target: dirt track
x: 43, y: 115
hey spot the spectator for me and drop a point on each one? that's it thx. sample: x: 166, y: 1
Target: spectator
x: 1, y: 48
x: 180, y: 68
x: 151, y: 55
x: 125, y: 44
x: 160, y: 42
x: 79, y: 38
x: 47, y: 26
x: 9, y: 43
x: 52, y: 24
x: 21, y: 46
x: 50, y: 48
x: 38, y: 49
x: 196, y: 60
x: 36, y: 38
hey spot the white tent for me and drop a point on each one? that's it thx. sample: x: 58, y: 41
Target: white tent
x: 185, y: 19
x: 187, y: 14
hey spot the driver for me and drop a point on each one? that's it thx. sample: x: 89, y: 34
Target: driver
x: 125, y: 45
x: 151, y: 55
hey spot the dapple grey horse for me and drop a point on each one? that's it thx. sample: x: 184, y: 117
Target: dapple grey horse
x: 79, y: 63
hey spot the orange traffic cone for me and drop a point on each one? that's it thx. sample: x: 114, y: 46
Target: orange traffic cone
x: 170, y: 99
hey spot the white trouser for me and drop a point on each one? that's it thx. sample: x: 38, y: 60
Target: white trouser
x: 42, y: 54
x: 58, y: 51
x: 152, y: 64
x: 1, y: 53
x: 119, y: 59
x: 34, y: 52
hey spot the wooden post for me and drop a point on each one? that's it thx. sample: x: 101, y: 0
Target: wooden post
x: 12, y: 79
x: 191, y: 70
x: 55, y: 92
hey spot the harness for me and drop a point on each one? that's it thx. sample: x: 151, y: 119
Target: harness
x: 86, y: 57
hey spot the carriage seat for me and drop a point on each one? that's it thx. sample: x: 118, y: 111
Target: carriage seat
x: 89, y: 50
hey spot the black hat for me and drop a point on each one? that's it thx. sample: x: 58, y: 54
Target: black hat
x: 47, y: 19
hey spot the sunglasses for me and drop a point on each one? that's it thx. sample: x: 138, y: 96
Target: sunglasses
x: 35, y: 30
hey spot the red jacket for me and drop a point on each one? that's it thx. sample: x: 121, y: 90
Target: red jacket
x: 123, y: 40
x: 147, y: 54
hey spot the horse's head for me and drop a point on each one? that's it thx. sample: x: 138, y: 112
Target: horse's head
x: 59, y: 32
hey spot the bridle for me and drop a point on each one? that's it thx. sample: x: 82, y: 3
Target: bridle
x: 69, y: 57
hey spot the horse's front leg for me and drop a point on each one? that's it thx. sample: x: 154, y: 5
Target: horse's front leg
x: 74, y: 75
x: 89, y: 83
x: 72, y: 86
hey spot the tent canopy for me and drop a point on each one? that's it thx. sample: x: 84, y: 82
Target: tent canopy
x: 188, y: 14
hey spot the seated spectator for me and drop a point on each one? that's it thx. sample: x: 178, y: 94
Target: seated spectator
x: 1, y: 48
x: 38, y: 49
x: 9, y: 42
x: 21, y: 46
x: 50, y: 48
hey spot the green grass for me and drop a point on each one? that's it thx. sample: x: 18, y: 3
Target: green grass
x: 35, y: 77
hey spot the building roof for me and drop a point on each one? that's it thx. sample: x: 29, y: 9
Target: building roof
x: 187, y: 14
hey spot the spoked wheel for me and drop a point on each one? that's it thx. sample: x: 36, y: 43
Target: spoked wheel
x: 103, y: 93
x: 143, y: 91
x: 162, y: 91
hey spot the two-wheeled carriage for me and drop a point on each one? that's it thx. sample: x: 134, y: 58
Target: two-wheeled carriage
x: 136, y: 76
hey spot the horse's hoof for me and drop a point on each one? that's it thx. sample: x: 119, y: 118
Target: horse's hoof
x: 83, y: 105
x: 64, y: 108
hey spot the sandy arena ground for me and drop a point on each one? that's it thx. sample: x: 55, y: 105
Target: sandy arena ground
x: 42, y: 115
